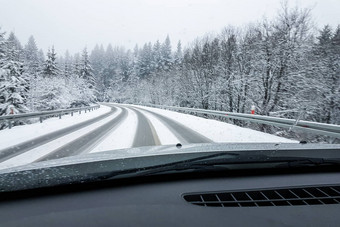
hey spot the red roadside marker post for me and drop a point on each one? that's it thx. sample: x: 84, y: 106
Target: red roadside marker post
x: 252, y: 109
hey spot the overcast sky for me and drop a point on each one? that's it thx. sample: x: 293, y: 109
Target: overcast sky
x: 74, y: 24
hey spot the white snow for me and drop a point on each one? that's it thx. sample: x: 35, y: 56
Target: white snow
x: 121, y: 137
x: 22, y: 133
x: 38, y: 152
x: 219, y: 131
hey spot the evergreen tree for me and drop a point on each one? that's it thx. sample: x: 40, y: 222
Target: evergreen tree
x: 86, y: 71
x: 13, y: 83
x: 41, y: 57
x: 32, y: 62
x: 14, y: 44
x: 110, y: 66
x: 67, y: 71
x: 76, y: 66
x: 157, y: 56
x: 178, y: 54
x: 3, y: 72
x: 144, y: 64
x: 51, y: 68
x: 325, y: 35
x: 166, y: 61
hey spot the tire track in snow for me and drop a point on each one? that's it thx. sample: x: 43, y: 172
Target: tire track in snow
x: 21, y: 148
x: 183, y: 133
x: 122, y: 137
x: 85, y: 143
x: 145, y: 134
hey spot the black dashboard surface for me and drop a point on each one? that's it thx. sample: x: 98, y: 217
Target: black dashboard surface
x: 160, y: 203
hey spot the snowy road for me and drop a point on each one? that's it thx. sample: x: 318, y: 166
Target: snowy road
x: 115, y: 127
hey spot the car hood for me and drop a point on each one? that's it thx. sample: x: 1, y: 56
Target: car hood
x: 80, y: 167
x: 164, y: 150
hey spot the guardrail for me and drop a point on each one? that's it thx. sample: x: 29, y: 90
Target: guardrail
x: 296, y: 125
x: 43, y: 114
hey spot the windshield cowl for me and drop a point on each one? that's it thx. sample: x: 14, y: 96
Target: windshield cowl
x: 90, y: 167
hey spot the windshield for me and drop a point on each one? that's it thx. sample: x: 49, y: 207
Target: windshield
x: 83, y: 81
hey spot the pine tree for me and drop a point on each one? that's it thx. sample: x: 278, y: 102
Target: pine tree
x: 67, y: 65
x: 3, y: 72
x: 86, y: 73
x: 32, y: 66
x: 13, y: 83
x: 32, y: 63
x: 325, y: 35
x: 41, y: 57
x: 144, y: 62
x: 157, y: 56
x: 14, y: 43
x: 86, y: 70
x: 110, y: 66
x: 51, y: 68
x: 178, y: 54
x: 166, y: 55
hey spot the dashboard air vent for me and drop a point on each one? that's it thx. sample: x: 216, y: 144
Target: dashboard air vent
x: 268, y: 197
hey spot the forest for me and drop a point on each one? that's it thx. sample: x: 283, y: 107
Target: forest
x: 285, y: 66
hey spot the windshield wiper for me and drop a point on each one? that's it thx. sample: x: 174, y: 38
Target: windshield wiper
x: 220, y: 161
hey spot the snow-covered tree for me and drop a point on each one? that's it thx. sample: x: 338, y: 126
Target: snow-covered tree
x: 86, y: 72
x: 166, y: 61
x: 144, y: 64
x: 51, y: 68
x: 14, y: 44
x: 31, y: 56
x: 178, y: 57
x: 13, y: 83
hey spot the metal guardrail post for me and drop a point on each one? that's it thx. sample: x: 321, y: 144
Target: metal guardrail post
x: 9, y: 124
x: 41, y: 119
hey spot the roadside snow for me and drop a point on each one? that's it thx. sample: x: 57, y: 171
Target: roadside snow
x: 22, y: 133
x: 39, y: 152
x: 219, y: 131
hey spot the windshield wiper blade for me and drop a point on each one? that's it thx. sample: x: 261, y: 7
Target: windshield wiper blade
x: 218, y: 162
x: 187, y: 163
x: 224, y: 164
x: 309, y: 162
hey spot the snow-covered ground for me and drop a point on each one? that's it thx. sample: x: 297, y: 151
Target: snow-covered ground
x: 219, y: 131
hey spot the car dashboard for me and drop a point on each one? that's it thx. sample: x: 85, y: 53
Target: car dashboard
x: 260, y: 198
